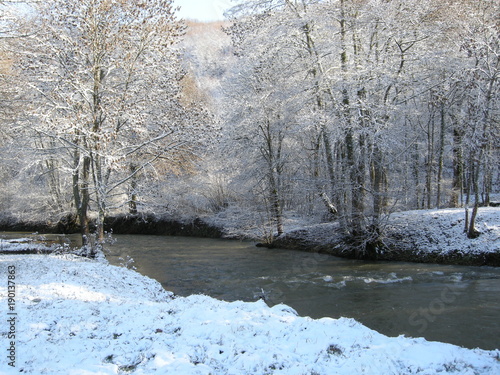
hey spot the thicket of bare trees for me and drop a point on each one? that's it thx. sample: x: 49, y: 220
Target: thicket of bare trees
x: 101, y: 83
x: 343, y: 110
x: 367, y: 106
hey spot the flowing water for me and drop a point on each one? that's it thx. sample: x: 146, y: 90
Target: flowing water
x: 454, y: 304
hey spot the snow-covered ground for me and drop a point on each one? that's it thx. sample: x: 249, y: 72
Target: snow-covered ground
x: 430, y: 231
x: 420, y: 235
x: 24, y: 244
x: 442, y: 231
x: 80, y: 317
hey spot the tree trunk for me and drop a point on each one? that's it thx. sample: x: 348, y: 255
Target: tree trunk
x: 358, y: 188
x: 54, y: 180
x: 277, y: 211
x: 328, y: 203
x: 466, y: 226
x: 429, y: 163
x: 472, y: 232
x: 271, y: 152
x: 457, y: 184
x: 440, y: 158
x: 100, y: 226
x: 76, y: 182
x: 323, y: 132
x: 85, y: 200
x: 488, y: 175
x: 132, y: 201
x: 99, y: 192
x: 329, y: 159
x: 379, y: 183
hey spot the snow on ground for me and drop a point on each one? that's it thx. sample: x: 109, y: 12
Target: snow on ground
x: 437, y: 231
x: 243, y: 223
x: 79, y: 317
x: 442, y: 231
x: 24, y: 245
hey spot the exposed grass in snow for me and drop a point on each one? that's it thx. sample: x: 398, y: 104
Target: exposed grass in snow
x: 77, y: 316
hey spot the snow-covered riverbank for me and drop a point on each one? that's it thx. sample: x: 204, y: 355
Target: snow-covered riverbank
x: 76, y: 316
x: 434, y: 236
x: 430, y: 236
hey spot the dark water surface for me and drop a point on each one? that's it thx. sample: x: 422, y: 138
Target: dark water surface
x: 454, y: 304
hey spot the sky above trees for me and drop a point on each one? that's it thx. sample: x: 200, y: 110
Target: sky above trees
x: 203, y: 10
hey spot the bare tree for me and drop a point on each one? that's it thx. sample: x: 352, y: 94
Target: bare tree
x: 368, y: 83
x: 480, y: 128
x: 105, y: 77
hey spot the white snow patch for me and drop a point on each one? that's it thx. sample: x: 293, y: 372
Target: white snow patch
x: 442, y: 231
x: 82, y: 317
x: 23, y: 244
x: 437, y: 231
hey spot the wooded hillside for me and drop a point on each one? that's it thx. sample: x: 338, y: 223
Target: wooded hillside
x: 339, y: 109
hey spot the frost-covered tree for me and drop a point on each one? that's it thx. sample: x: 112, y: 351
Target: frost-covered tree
x: 11, y: 106
x: 477, y: 114
x: 267, y: 93
x: 9, y: 31
x: 335, y: 66
x: 105, y: 82
x: 371, y: 91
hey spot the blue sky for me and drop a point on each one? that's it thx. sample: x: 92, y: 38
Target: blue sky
x: 203, y: 10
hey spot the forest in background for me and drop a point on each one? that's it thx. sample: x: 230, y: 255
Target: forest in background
x: 336, y: 110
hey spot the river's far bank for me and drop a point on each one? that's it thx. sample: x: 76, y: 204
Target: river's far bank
x: 119, y: 224
x: 423, y: 236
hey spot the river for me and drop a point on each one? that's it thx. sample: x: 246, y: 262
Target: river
x: 454, y: 304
